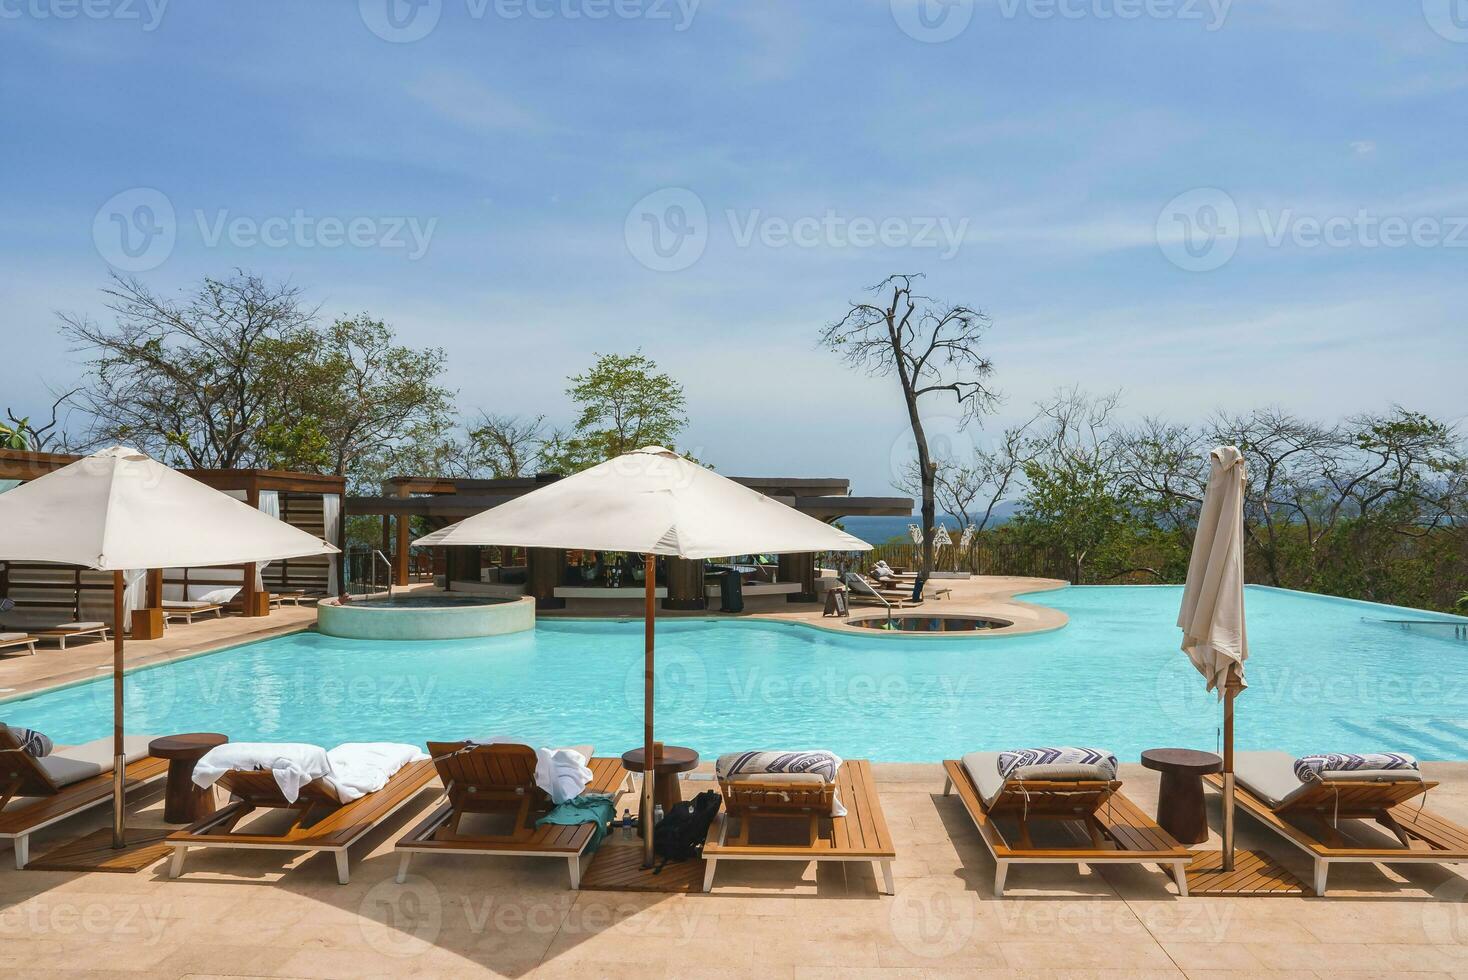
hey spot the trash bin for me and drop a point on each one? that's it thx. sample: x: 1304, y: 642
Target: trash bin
x: 731, y: 591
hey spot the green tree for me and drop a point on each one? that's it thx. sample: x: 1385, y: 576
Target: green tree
x: 624, y: 403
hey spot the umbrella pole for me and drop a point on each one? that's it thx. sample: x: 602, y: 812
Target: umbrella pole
x: 1230, y: 691
x: 649, y: 763
x: 119, y: 760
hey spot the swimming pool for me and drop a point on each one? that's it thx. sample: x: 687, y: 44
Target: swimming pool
x: 1326, y: 675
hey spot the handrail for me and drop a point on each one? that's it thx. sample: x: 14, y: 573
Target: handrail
x: 377, y: 553
x: 853, y: 577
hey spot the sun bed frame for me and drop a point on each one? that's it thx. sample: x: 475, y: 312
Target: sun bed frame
x: 61, y: 634
x: 21, y: 778
x: 24, y: 640
x: 1425, y: 837
x: 498, y: 779
x: 172, y: 610
x: 1119, y: 832
x: 861, y: 835
x: 859, y: 589
x: 342, y: 825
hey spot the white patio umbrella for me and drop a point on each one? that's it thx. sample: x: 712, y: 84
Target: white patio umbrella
x: 653, y: 502
x: 119, y: 510
x: 1212, y: 615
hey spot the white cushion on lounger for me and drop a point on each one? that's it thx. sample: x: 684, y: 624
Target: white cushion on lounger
x: 6, y: 637
x: 1269, y: 776
x: 78, y: 626
x: 984, y: 768
x: 74, y: 763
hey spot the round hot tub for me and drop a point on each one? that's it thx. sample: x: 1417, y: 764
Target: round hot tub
x: 416, y: 616
x: 909, y: 623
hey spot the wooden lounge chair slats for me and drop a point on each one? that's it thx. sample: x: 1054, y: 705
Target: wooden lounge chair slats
x: 861, y: 835
x: 490, y: 779
x: 1311, y: 821
x: 1117, y: 830
x: 341, y: 826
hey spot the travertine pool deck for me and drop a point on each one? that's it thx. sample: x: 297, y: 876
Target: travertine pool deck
x: 264, y: 914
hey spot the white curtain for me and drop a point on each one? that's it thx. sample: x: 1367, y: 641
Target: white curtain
x: 134, y: 595
x: 269, y: 504
x: 331, y: 512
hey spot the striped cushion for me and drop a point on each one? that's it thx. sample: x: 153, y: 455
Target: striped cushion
x: 33, y: 742
x: 1063, y: 755
x: 1311, y: 768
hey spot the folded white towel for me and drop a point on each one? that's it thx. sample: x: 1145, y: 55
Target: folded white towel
x: 293, y: 764
x: 359, y: 768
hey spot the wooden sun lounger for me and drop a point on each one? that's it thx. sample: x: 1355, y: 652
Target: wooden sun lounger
x: 30, y: 800
x: 1424, y: 837
x: 341, y: 826
x: 186, y: 611
x: 1119, y: 832
x: 500, y: 779
x: 8, y: 640
x: 861, y: 835
x: 70, y: 631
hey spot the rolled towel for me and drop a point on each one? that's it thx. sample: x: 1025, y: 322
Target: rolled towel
x: 1313, y: 768
x: 820, y: 763
x: 293, y: 764
x: 1065, y: 761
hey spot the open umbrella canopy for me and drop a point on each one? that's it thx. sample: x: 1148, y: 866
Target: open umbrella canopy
x: 119, y: 509
x: 654, y: 502
x: 1212, y: 614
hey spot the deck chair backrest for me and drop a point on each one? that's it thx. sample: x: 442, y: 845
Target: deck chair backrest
x: 503, y: 767
x: 1053, y: 798
x: 1355, y: 798
x: 774, y: 796
x: 259, y: 788
x: 20, y: 774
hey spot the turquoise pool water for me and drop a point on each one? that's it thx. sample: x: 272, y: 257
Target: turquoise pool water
x: 1326, y: 675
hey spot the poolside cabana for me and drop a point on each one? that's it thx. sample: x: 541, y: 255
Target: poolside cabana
x: 559, y: 579
x: 308, y: 501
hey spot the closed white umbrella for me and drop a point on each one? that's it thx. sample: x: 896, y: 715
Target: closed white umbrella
x: 654, y: 502
x: 119, y: 510
x: 1212, y: 614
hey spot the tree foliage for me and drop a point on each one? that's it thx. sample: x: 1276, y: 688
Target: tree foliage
x: 624, y: 403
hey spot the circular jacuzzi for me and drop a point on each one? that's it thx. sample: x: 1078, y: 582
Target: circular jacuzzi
x: 418, y: 616
x: 908, y: 623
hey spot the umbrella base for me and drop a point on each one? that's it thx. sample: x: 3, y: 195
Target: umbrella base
x: 94, y: 852
x: 1254, y: 873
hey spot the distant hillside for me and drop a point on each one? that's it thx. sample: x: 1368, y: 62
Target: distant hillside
x: 880, y: 530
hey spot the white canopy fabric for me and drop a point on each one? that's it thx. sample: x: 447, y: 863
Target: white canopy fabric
x: 1212, y: 614
x: 653, y: 502
x: 119, y: 509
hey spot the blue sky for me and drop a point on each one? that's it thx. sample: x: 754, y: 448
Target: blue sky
x: 1059, y: 163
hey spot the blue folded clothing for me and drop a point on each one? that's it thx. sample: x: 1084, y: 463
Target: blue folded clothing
x: 595, y: 810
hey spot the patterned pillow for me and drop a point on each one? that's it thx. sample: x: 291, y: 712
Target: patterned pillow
x: 1064, y: 755
x: 1309, y: 767
x: 33, y: 743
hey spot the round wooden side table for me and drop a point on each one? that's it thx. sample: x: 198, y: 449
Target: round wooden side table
x: 1180, y: 809
x: 183, y: 802
x: 666, y: 794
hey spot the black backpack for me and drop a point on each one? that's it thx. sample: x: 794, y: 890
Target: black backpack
x: 682, y: 832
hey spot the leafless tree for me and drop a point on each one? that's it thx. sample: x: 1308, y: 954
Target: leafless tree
x: 507, y: 445
x: 42, y: 438
x: 183, y: 378
x: 933, y: 349
x: 972, y: 489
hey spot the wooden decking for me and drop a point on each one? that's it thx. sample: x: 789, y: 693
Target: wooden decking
x: 18, y: 822
x: 335, y: 832
x: 1126, y: 835
x: 1254, y: 874
x: 1423, y: 837
x: 861, y: 835
x: 566, y: 842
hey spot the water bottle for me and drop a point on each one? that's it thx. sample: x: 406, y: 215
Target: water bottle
x: 657, y: 814
x: 627, y: 824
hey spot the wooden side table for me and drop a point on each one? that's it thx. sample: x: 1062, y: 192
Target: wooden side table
x: 666, y: 794
x: 1180, y: 808
x: 183, y: 802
